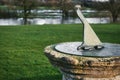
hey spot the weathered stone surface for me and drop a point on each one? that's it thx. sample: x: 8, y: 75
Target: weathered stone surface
x: 89, y: 68
x: 68, y: 77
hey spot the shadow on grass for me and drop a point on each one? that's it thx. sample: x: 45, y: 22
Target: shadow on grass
x: 49, y: 77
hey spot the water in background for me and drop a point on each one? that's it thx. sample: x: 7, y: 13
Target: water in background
x: 53, y: 17
x: 40, y: 21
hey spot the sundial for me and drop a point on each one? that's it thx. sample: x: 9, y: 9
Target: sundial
x: 89, y: 59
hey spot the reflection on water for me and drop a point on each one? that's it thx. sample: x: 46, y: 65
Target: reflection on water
x: 41, y: 21
x: 9, y: 22
x: 53, y: 17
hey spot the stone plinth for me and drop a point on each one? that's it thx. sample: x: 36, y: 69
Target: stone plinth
x: 75, y: 67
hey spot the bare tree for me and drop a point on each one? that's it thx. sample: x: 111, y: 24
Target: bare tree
x: 6, y: 9
x: 66, y: 6
x: 113, y: 6
x: 26, y: 6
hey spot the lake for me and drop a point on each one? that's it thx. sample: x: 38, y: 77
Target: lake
x: 54, y: 17
x: 41, y: 21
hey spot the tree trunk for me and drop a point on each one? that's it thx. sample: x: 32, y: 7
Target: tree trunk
x: 25, y: 20
x: 114, y: 17
x: 25, y: 16
x: 25, y: 12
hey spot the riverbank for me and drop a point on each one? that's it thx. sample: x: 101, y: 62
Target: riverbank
x: 21, y: 48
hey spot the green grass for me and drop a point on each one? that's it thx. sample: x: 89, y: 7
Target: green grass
x: 22, y: 47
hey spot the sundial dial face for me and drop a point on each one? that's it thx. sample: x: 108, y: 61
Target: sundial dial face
x: 71, y: 48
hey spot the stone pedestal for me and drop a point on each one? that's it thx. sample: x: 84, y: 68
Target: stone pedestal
x: 75, y: 67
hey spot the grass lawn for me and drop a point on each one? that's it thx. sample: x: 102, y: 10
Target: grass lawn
x: 21, y: 48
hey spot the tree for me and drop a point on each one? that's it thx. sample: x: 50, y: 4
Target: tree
x: 26, y: 6
x: 66, y: 7
x: 6, y: 10
x: 113, y: 6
